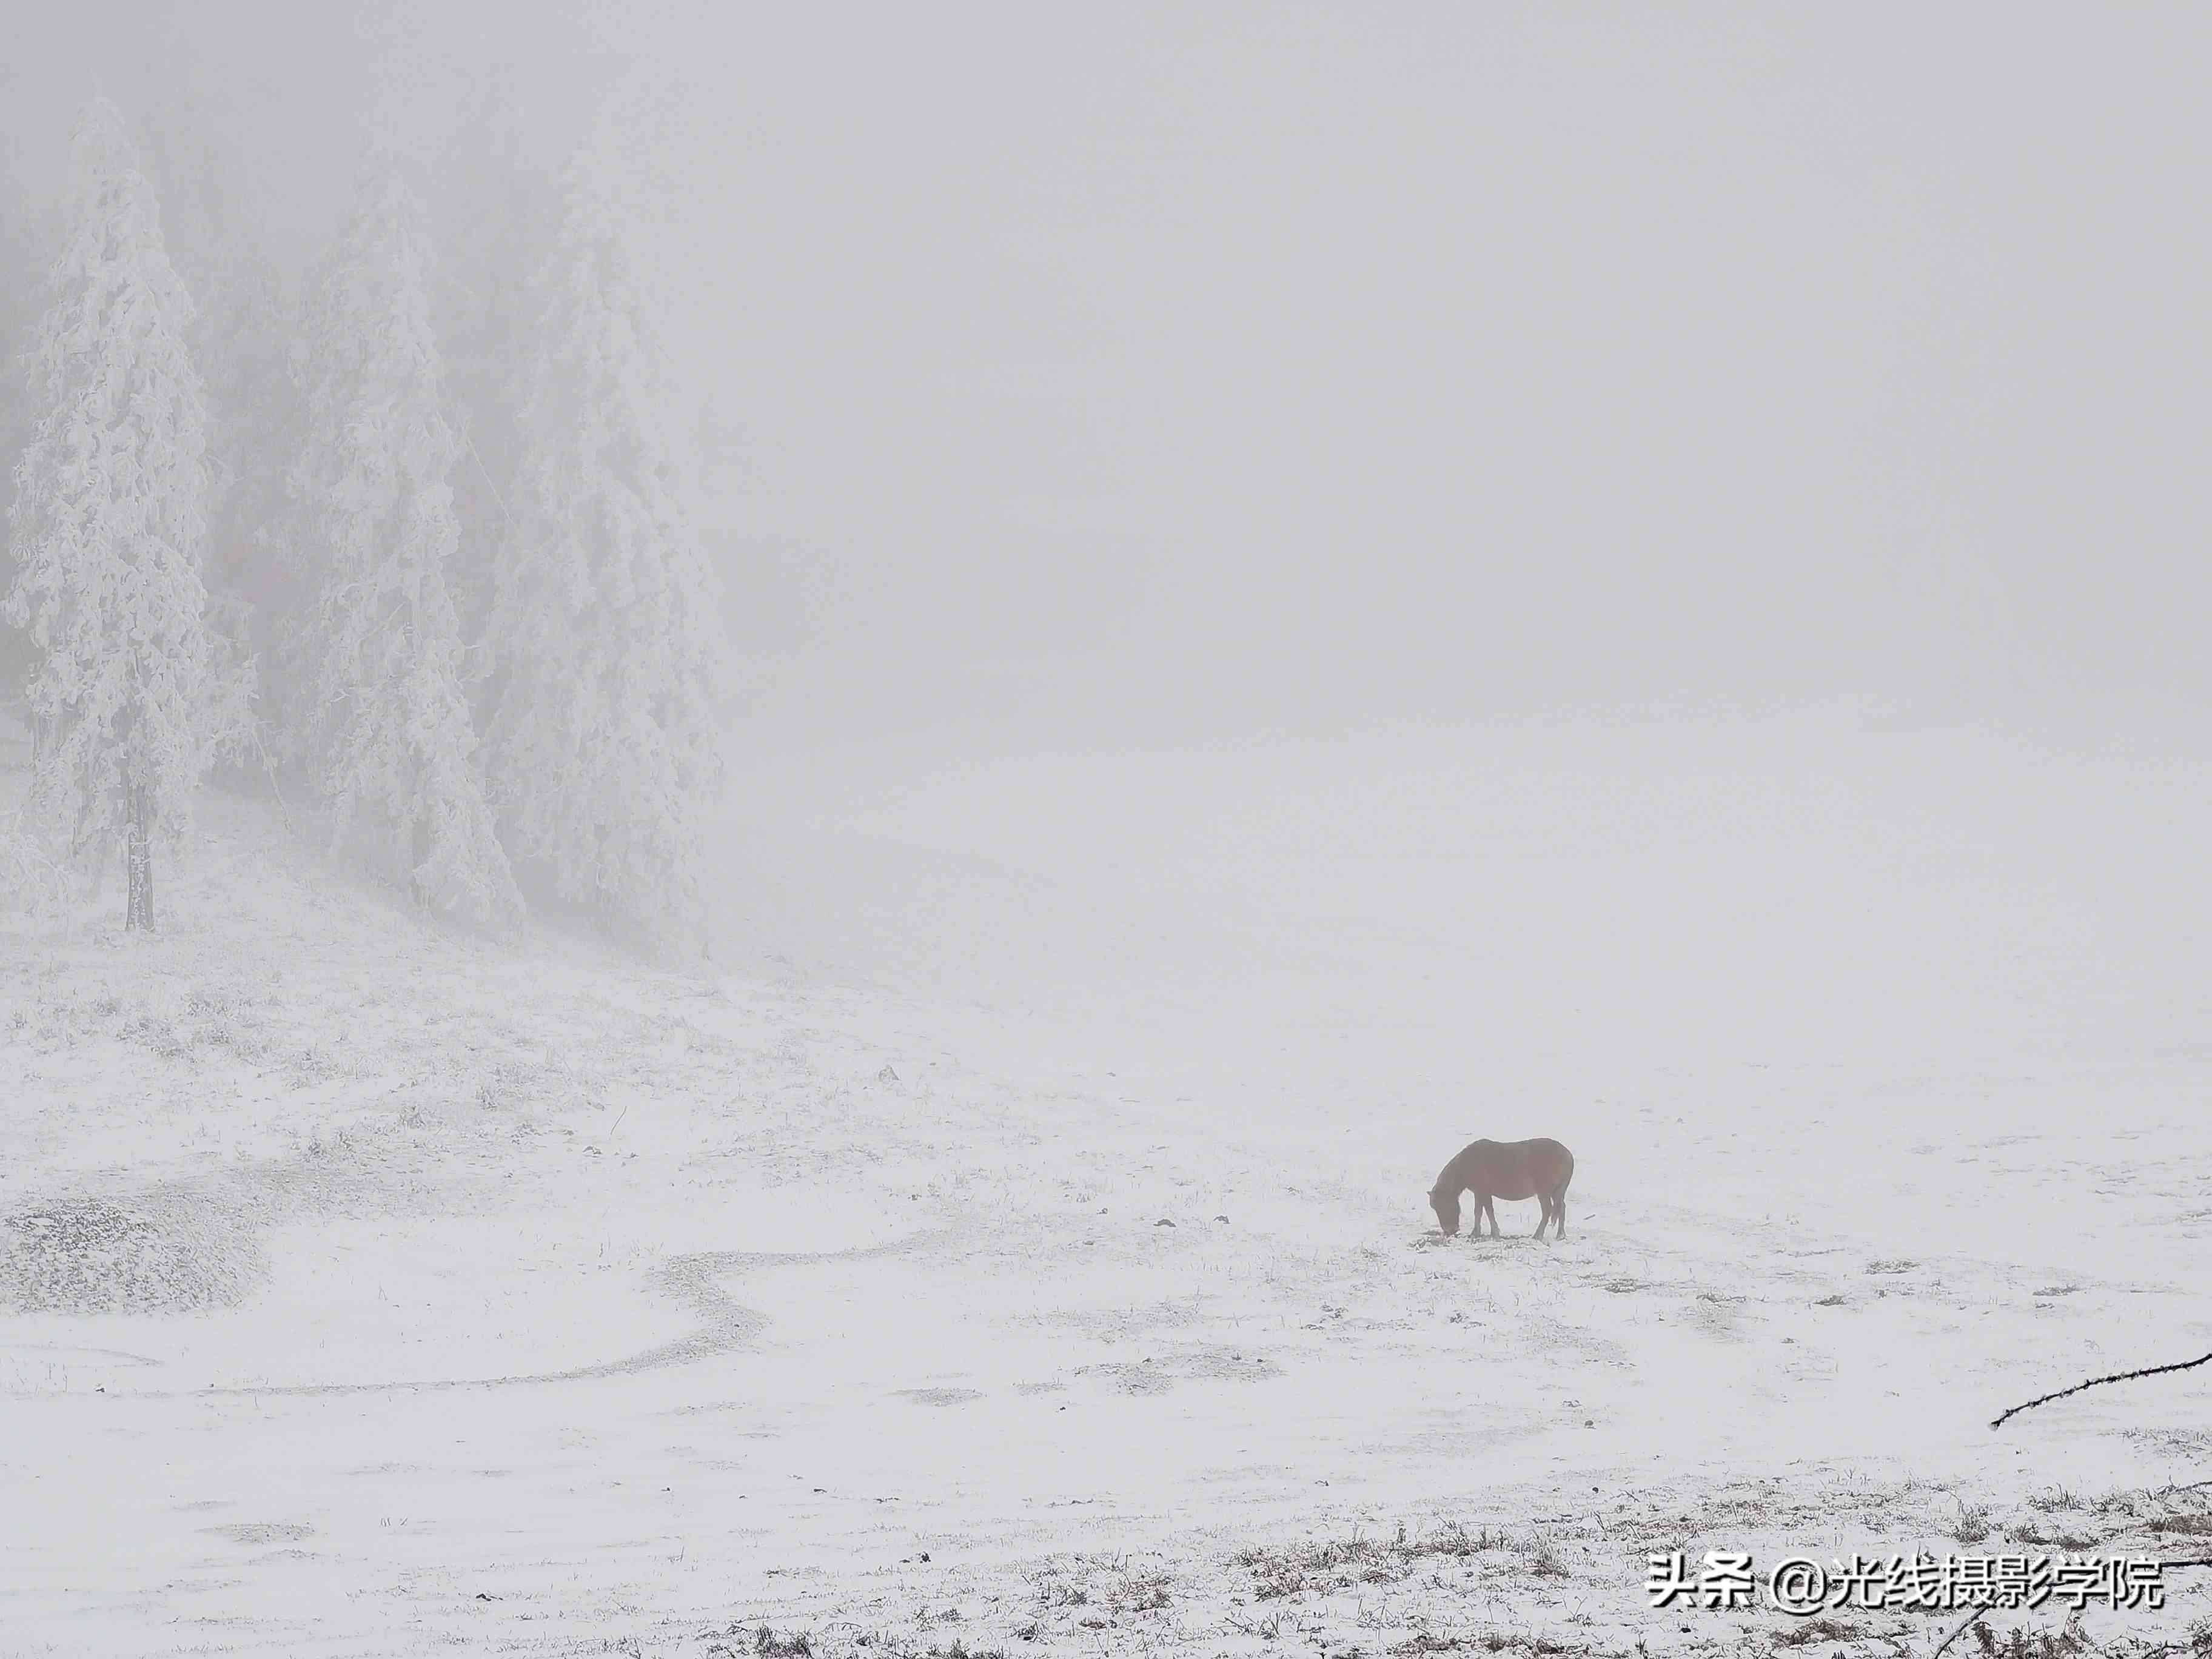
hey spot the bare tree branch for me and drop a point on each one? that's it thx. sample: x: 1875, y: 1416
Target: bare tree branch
x: 2116, y: 1376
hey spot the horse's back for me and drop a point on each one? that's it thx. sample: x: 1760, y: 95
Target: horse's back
x: 1514, y: 1169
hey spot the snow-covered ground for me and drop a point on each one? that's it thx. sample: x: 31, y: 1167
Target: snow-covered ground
x: 1014, y: 1237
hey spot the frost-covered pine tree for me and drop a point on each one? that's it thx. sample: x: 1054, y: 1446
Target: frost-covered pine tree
x: 21, y: 267
x: 484, y: 323
x: 603, y: 630
x: 380, y: 719
x: 239, y: 341
x: 252, y: 421
x: 107, y: 522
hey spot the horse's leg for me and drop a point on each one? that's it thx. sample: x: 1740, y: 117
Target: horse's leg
x: 1543, y: 1212
x: 1559, y: 1213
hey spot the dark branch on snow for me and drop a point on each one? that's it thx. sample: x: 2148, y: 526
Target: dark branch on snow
x: 2116, y: 1376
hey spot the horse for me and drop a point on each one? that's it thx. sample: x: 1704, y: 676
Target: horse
x: 1511, y: 1170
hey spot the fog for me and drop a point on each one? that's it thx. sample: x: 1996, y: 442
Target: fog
x: 1302, y: 584
x: 1292, y: 367
x: 1309, y: 398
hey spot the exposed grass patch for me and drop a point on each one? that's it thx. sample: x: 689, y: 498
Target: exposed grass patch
x: 1059, y: 1593
x: 1110, y: 1584
x: 1336, y: 1564
x: 891, y: 1647
x: 1971, y: 1524
x: 2023, y: 1643
x: 1340, y: 1562
x: 1819, y: 1630
x: 1493, y: 1641
x: 2058, y: 1538
x: 511, y: 1083
x: 1547, y: 1561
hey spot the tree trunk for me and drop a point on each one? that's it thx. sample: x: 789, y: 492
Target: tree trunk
x: 140, y: 911
x: 603, y: 896
x: 417, y: 892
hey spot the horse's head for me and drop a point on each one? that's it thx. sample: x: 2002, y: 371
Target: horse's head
x: 1446, y: 1204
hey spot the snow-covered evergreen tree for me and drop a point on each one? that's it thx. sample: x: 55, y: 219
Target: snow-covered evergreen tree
x: 24, y: 261
x: 253, y: 423
x: 382, y: 720
x: 108, y: 522
x: 604, y: 629
x: 484, y: 322
x: 239, y: 341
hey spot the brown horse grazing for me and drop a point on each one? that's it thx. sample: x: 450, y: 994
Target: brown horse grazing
x: 1511, y: 1170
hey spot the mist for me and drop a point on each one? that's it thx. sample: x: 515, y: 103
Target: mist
x: 1292, y: 586
x: 1307, y: 366
x: 1261, y: 392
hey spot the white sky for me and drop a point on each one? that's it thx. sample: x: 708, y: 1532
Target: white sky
x: 1350, y: 360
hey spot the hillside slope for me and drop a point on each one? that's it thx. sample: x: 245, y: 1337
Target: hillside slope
x: 1027, y: 1281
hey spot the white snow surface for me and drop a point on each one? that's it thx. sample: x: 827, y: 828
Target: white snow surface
x: 582, y: 1306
